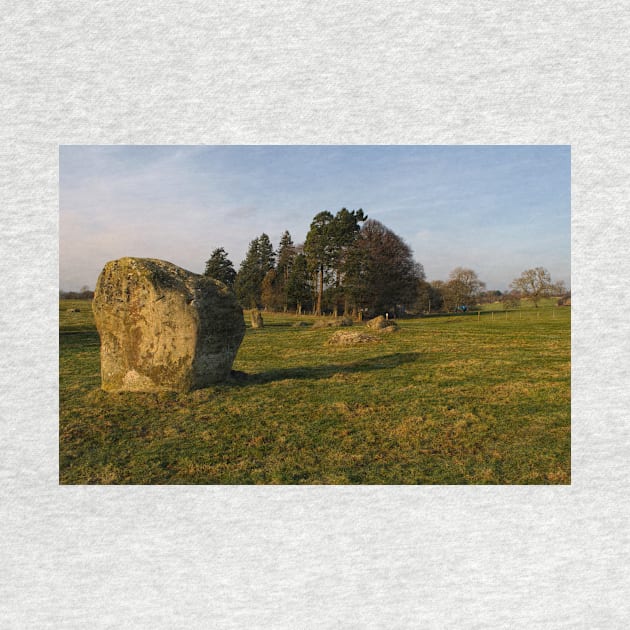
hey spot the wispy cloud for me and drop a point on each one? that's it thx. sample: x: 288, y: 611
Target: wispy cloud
x: 497, y: 209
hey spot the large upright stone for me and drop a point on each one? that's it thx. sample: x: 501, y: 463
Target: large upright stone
x: 164, y: 328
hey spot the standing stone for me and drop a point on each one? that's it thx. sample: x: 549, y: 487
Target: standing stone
x: 257, y: 320
x: 164, y: 328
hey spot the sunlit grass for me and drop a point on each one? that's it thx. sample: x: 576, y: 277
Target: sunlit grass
x: 449, y: 400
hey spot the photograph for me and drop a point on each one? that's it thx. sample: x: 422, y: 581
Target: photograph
x: 315, y: 314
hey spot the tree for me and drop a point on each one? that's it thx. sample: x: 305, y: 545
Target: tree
x: 286, y: 256
x: 462, y: 289
x: 536, y: 284
x: 511, y: 300
x: 220, y: 267
x: 326, y: 246
x: 266, y: 255
x: 298, y: 285
x: 429, y: 296
x: 258, y: 261
x: 489, y: 297
x: 319, y: 250
x: 270, y: 297
x: 379, y: 271
x: 343, y: 231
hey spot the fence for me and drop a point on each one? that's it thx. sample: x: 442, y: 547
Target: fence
x: 543, y: 313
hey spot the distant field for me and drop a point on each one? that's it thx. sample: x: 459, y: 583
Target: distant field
x: 524, y: 305
x: 445, y: 400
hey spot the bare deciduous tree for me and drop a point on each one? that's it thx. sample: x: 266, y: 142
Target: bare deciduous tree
x: 536, y: 284
x: 462, y: 288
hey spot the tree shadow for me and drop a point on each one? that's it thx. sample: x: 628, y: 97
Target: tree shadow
x: 385, y: 362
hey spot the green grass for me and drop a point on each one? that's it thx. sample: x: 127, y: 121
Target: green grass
x: 449, y: 400
x: 523, y: 305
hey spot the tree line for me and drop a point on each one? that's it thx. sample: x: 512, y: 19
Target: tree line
x: 347, y: 264
x: 354, y: 265
x: 464, y: 290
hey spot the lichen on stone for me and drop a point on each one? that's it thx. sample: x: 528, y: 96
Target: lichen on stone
x: 164, y: 328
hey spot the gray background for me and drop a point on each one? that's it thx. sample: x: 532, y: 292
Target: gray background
x: 304, y: 72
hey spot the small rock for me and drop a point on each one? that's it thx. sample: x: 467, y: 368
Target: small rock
x: 335, y: 322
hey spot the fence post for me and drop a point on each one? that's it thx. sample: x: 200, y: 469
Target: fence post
x: 478, y: 315
x: 492, y: 315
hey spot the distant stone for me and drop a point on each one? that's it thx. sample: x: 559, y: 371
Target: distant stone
x: 334, y: 322
x: 73, y: 310
x: 257, y: 320
x: 380, y: 323
x: 164, y: 328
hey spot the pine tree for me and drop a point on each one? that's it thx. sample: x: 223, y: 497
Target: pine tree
x: 266, y: 255
x: 258, y: 261
x: 326, y: 246
x: 220, y: 267
x: 298, y: 285
x: 318, y: 249
x: 270, y: 296
x: 286, y: 255
x: 343, y: 232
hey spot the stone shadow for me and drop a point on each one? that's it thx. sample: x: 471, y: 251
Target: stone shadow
x: 385, y: 362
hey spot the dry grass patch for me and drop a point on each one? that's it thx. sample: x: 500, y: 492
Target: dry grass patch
x: 343, y: 338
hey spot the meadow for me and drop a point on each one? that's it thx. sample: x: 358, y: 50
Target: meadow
x: 462, y: 399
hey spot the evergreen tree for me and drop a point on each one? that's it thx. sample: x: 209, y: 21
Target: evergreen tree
x: 326, y: 246
x: 266, y: 255
x: 319, y: 249
x: 298, y: 285
x: 258, y: 261
x: 286, y: 255
x: 270, y: 296
x: 343, y: 231
x: 220, y: 267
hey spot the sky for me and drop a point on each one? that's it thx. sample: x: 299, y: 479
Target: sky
x: 498, y: 210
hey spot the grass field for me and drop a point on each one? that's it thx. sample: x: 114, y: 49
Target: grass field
x: 446, y: 400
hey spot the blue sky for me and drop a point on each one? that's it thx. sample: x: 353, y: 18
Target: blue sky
x: 496, y: 209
